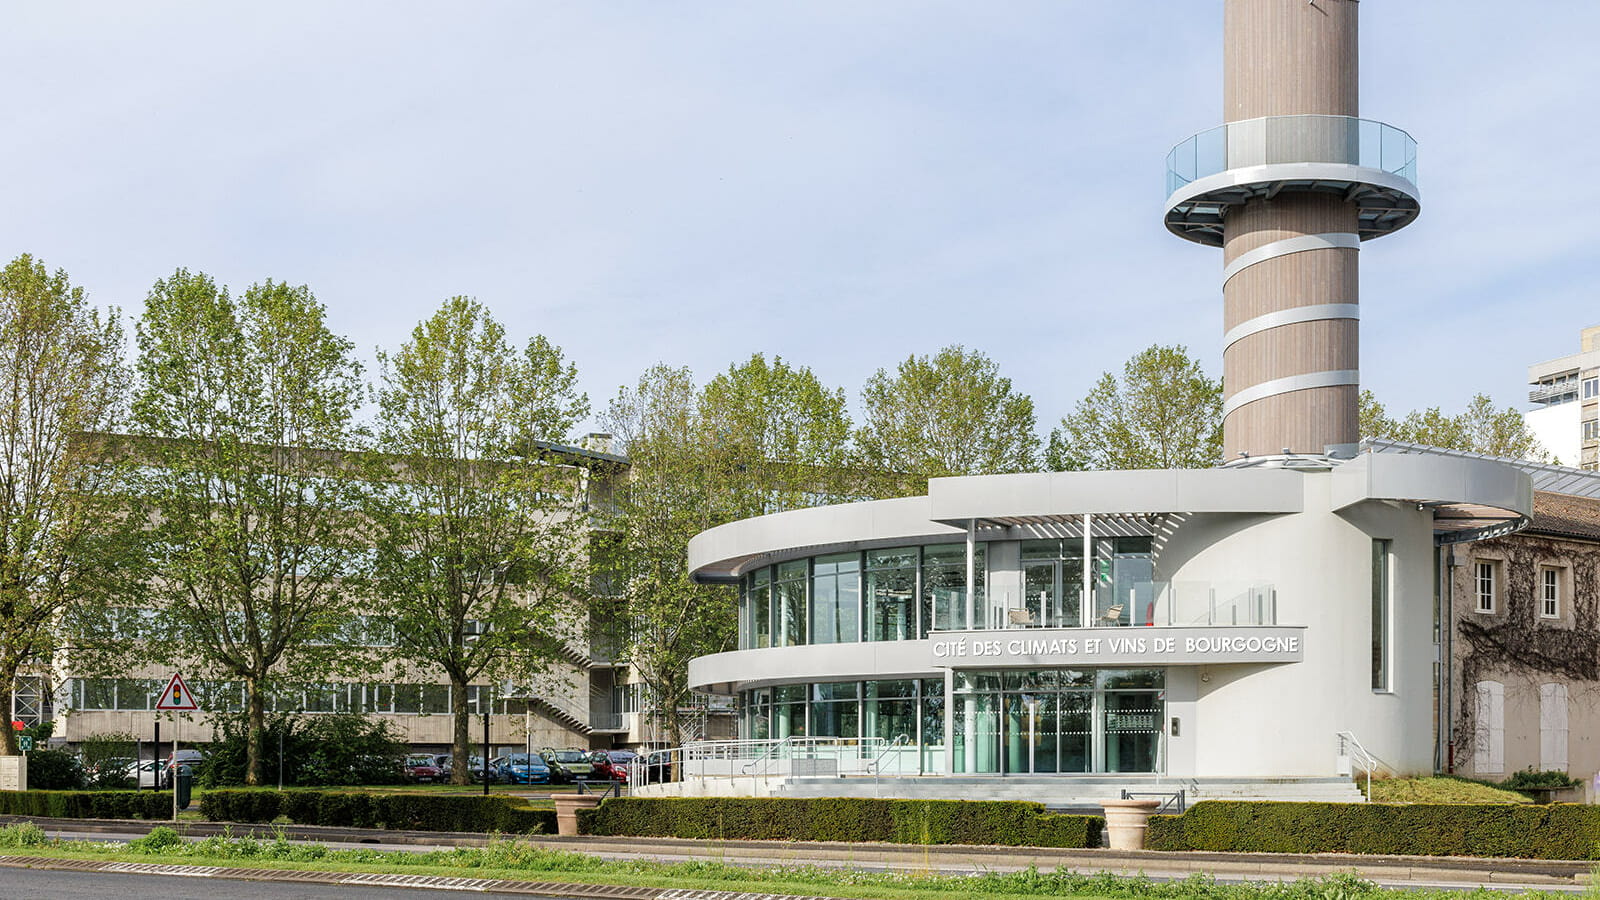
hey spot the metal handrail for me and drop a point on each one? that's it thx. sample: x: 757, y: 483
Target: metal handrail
x: 1359, y: 755
x: 1171, y: 801
x: 900, y: 740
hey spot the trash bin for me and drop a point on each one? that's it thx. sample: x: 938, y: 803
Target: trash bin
x: 185, y: 786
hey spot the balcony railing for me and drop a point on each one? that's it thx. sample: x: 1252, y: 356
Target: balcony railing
x: 1292, y: 139
x: 1145, y: 603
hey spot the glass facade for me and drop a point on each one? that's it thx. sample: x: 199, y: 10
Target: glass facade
x: 897, y: 594
x: 1006, y: 723
x: 1058, y: 721
x: 910, y: 710
x: 906, y: 593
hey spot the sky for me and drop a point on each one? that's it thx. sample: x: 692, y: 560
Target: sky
x: 842, y: 184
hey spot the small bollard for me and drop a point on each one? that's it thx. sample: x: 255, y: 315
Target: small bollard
x: 567, y: 806
x: 1126, y: 821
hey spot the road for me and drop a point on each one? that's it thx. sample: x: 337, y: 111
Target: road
x: 18, y: 884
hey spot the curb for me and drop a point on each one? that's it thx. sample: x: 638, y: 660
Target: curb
x: 357, y: 879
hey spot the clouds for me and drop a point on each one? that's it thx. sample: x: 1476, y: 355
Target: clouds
x: 841, y: 184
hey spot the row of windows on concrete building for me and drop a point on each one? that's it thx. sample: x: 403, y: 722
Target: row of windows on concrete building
x: 141, y: 694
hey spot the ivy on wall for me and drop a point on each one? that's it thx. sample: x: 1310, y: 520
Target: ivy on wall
x: 1515, y: 642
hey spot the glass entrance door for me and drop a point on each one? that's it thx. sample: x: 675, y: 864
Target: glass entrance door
x: 1050, y: 592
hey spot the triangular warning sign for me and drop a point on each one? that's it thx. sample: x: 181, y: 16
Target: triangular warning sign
x: 177, y: 696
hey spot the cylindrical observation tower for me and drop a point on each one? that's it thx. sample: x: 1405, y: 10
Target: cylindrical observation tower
x: 1289, y: 187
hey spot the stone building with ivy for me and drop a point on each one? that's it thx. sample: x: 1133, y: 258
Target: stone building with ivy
x: 1523, y: 640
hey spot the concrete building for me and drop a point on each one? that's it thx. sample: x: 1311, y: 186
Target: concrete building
x: 1565, y: 393
x: 586, y: 700
x: 1240, y: 631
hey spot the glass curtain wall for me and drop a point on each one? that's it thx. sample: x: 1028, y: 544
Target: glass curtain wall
x: 835, y: 709
x: 891, y: 593
x: 757, y: 610
x: 852, y: 709
x: 1124, y: 594
x: 836, y: 599
x: 1058, y: 721
x: 944, y: 586
x: 789, y: 604
x: 880, y: 595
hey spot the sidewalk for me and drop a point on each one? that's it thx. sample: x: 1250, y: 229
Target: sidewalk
x: 1415, y: 871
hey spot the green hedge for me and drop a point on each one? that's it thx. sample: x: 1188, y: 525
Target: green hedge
x: 998, y: 822
x: 1557, y: 831
x: 87, y: 804
x: 407, y: 812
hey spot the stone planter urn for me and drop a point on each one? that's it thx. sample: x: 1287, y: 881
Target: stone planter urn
x: 1126, y: 820
x: 567, y: 806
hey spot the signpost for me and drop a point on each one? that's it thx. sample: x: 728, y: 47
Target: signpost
x: 175, y: 698
x: 25, y: 742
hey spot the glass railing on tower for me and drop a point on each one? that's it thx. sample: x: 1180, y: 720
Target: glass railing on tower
x: 1292, y: 139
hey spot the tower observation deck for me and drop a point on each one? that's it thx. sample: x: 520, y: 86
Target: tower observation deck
x: 1289, y: 186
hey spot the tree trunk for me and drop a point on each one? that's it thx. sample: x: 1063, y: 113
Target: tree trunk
x: 459, y: 742
x: 255, y: 725
x: 8, y: 735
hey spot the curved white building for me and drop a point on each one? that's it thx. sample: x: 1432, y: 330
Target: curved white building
x: 1229, y: 623
x: 1245, y: 623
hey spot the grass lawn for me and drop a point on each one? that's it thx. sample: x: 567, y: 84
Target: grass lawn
x: 1439, y: 789
x: 523, y: 862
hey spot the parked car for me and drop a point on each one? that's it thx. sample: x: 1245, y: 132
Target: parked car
x: 567, y: 766
x: 109, y: 770
x: 150, y: 773
x: 147, y: 773
x: 651, y: 768
x: 522, y: 768
x: 612, y: 764
x: 446, y: 764
x: 421, y: 768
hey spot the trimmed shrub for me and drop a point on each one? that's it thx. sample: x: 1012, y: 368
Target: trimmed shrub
x: 87, y: 804
x: 241, y: 806
x: 407, y: 812
x: 996, y: 822
x: 1556, y: 831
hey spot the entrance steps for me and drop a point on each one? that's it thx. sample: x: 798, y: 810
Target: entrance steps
x: 1054, y: 791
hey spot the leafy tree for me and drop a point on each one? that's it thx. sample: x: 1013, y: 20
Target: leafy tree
x: 761, y: 437
x: 61, y: 379
x: 480, y: 529
x: 949, y: 414
x: 661, y: 618
x: 1480, y: 428
x: 247, y: 410
x: 1164, y: 413
x: 778, y: 438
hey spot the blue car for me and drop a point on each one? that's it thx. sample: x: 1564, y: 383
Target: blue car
x: 521, y: 768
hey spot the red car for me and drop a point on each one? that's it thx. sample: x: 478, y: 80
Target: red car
x: 612, y: 764
x: 421, y: 768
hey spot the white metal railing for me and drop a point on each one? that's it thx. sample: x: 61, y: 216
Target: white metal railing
x: 895, y: 747
x: 1352, y: 756
x: 798, y: 757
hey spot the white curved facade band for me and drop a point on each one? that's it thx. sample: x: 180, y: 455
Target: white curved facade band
x: 1302, y: 172
x: 1334, y: 378
x: 1333, y: 241
x: 1314, y: 313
